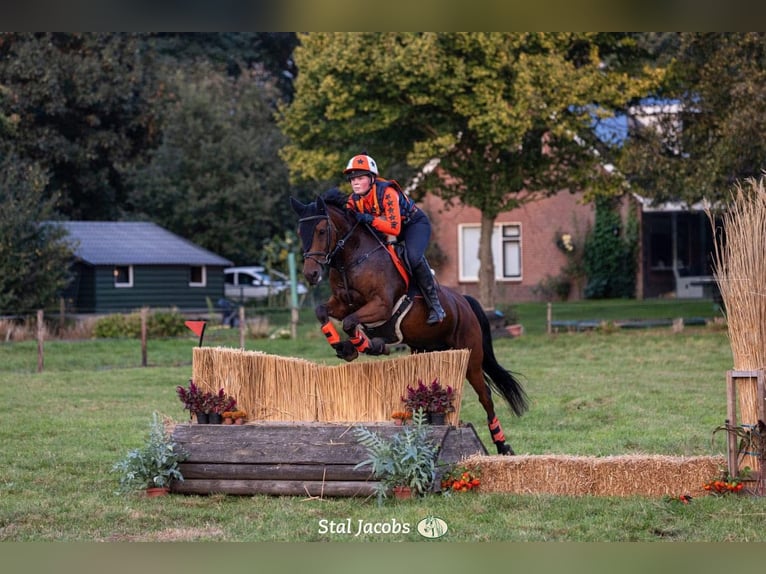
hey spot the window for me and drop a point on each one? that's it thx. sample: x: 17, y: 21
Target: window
x: 197, y: 276
x: 506, y: 251
x: 123, y: 275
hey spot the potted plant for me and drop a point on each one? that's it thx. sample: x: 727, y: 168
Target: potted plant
x: 195, y: 401
x: 153, y: 467
x: 217, y: 404
x: 234, y: 417
x: 434, y: 399
x: 406, y: 460
x: 401, y: 417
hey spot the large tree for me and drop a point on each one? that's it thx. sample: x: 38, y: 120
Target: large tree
x: 709, y: 128
x: 509, y: 116
x: 216, y: 176
x: 34, y: 254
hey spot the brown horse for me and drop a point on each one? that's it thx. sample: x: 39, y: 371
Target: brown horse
x: 366, y: 287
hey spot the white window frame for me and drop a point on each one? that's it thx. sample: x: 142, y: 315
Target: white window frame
x: 498, y: 252
x: 202, y: 283
x: 124, y: 284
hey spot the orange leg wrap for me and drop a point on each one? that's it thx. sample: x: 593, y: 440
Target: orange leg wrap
x: 331, y: 333
x: 496, y: 431
x: 360, y: 341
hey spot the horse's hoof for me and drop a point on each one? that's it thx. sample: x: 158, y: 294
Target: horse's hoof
x: 346, y: 351
x: 504, y: 449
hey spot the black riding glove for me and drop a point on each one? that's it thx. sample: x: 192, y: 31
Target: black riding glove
x: 364, y: 218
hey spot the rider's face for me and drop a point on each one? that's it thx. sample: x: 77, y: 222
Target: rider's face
x: 361, y: 184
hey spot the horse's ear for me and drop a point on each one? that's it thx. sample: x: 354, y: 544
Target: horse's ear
x: 321, y: 207
x: 297, y: 206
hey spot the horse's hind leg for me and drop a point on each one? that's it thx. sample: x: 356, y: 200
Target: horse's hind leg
x: 476, y: 378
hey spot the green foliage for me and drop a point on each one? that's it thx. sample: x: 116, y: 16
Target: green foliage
x: 216, y: 175
x: 716, y: 136
x: 34, y: 256
x: 610, y: 254
x: 158, y: 324
x: 408, y: 458
x: 508, y: 115
x: 156, y: 464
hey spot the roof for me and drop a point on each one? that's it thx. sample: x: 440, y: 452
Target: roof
x: 134, y: 243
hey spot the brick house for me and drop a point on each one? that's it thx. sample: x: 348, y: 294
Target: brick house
x: 524, y: 244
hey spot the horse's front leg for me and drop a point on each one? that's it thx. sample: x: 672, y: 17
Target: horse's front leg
x: 343, y: 349
x: 372, y: 312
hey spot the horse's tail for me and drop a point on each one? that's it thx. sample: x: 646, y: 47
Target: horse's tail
x: 498, y: 378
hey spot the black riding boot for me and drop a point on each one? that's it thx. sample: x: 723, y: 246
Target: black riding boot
x: 425, y: 280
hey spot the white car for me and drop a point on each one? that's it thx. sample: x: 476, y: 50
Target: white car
x: 254, y: 282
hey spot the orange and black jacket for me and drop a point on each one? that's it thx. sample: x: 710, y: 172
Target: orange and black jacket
x: 390, y: 206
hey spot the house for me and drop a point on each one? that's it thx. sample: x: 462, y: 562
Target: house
x: 121, y: 266
x: 675, y: 253
x: 523, y: 245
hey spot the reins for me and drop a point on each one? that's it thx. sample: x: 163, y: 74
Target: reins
x: 328, y: 255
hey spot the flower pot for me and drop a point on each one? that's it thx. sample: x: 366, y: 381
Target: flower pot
x: 214, y: 418
x: 228, y: 421
x: 202, y: 418
x: 240, y: 421
x: 157, y: 491
x: 402, y: 492
x: 437, y: 418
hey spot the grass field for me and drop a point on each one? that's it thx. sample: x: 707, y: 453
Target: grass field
x: 592, y: 393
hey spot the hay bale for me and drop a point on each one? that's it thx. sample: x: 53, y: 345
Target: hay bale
x: 626, y: 475
x: 275, y: 388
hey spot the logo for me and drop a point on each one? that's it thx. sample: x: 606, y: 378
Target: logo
x: 432, y: 527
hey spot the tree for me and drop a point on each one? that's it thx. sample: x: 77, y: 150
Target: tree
x: 34, y: 255
x: 81, y: 113
x: 216, y: 176
x: 508, y: 116
x: 714, y: 136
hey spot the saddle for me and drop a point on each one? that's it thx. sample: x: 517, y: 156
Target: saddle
x: 390, y: 330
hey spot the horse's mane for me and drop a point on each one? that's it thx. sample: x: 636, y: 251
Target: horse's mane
x: 335, y: 197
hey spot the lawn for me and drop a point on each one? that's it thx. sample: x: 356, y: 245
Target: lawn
x: 598, y: 393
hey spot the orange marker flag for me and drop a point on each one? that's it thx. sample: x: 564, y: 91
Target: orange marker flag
x: 198, y: 327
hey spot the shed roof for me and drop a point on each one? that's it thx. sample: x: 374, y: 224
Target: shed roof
x: 135, y: 243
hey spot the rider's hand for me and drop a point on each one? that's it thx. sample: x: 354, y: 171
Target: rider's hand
x: 364, y: 218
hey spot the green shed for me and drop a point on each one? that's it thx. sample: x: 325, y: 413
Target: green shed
x: 121, y: 266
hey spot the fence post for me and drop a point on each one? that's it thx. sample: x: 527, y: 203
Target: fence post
x: 242, y: 327
x: 549, y: 319
x: 144, y: 313
x: 40, y: 339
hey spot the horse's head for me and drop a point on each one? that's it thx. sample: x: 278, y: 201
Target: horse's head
x: 319, y: 227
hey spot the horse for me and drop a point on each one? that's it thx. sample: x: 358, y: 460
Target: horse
x: 367, y: 286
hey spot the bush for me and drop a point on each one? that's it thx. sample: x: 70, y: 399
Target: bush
x: 158, y: 324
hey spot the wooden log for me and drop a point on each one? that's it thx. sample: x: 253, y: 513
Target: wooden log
x: 275, y: 471
x: 280, y: 488
x: 300, y: 459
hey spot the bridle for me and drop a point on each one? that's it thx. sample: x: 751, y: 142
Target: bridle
x: 327, y: 257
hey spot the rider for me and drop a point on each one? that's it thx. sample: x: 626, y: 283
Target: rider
x: 390, y: 211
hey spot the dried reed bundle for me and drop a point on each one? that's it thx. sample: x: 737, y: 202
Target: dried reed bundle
x: 274, y: 388
x: 740, y: 271
x: 739, y: 264
x: 626, y: 475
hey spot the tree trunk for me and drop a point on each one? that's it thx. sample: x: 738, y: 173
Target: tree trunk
x: 486, y: 263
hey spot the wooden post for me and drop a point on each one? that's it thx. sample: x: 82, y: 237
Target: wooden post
x: 40, y: 339
x: 62, y: 315
x: 242, y: 327
x: 752, y: 389
x: 294, y: 315
x: 144, y: 314
x: 549, y: 318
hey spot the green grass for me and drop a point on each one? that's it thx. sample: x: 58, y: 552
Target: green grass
x: 593, y: 393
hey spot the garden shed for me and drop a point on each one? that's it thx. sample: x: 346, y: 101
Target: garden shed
x: 120, y: 266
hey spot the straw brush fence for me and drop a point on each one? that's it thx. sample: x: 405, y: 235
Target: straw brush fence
x: 740, y: 271
x: 273, y: 388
